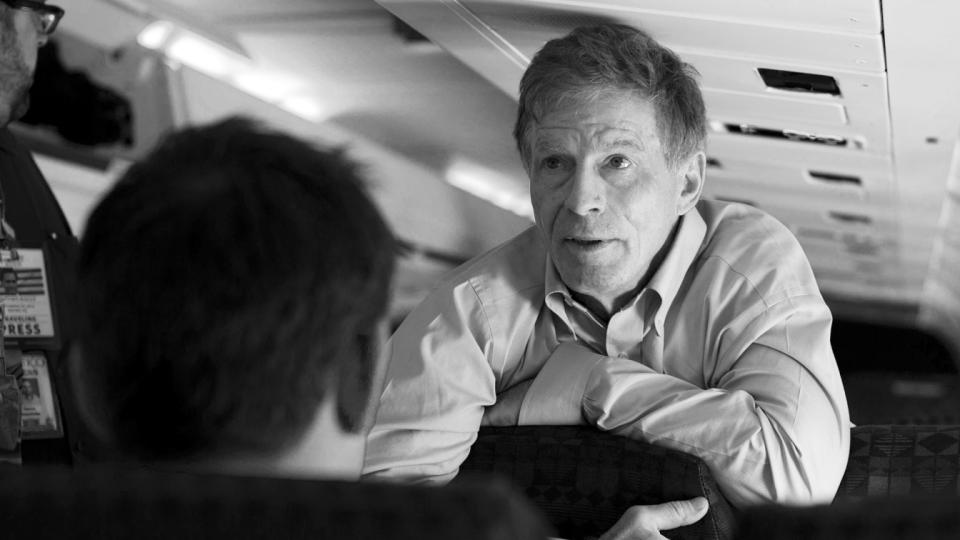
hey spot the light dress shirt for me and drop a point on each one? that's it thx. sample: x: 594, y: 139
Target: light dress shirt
x: 725, y: 354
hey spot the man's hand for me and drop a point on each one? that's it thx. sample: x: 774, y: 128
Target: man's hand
x: 646, y: 522
x: 506, y: 411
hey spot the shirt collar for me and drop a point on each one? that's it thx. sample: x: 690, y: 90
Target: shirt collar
x: 668, y: 277
x: 665, y: 281
x: 552, y: 284
x: 555, y: 290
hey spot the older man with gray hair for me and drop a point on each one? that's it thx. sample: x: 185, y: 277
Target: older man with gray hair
x: 632, y: 305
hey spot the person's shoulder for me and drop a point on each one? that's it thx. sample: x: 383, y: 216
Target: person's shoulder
x: 504, y: 285
x: 757, y: 247
x: 513, y: 268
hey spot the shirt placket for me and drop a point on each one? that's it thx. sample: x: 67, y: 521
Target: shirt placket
x: 625, y: 334
x: 631, y: 335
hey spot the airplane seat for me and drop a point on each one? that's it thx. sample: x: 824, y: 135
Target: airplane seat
x: 901, y: 482
x: 897, y: 374
x: 583, y: 479
x: 875, y: 518
x: 111, y: 502
x: 902, y: 460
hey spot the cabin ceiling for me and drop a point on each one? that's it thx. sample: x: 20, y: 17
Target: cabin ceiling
x: 863, y: 169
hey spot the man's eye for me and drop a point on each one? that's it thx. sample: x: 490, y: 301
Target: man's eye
x: 619, y: 162
x: 552, y: 162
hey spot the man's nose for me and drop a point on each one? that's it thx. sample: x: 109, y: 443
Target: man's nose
x: 587, y: 191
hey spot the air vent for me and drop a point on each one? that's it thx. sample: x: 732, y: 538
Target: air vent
x: 835, y: 179
x: 795, y: 81
x: 788, y: 134
x: 853, y: 219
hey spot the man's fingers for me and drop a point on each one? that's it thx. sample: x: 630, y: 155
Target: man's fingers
x: 643, y: 522
x: 675, y: 514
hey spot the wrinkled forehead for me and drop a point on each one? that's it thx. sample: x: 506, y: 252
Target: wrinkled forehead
x: 612, y: 118
x: 553, y: 137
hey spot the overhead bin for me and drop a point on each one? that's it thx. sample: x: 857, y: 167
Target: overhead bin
x: 787, y: 170
x: 686, y: 28
x: 786, y: 110
x: 862, y: 98
x: 848, y: 16
x: 799, y: 185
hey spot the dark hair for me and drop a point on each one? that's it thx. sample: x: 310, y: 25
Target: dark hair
x: 228, y: 280
x: 594, y: 59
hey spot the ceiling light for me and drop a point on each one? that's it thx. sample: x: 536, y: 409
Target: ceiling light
x: 155, y: 35
x: 182, y: 19
x: 304, y: 107
x: 210, y: 57
x: 266, y: 85
x: 202, y: 55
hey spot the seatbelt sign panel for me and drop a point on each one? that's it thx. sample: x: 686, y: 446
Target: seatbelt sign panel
x: 25, y: 293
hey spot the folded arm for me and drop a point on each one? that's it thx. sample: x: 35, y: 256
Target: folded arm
x: 439, y: 380
x: 772, y: 423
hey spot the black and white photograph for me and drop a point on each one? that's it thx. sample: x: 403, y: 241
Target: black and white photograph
x: 480, y: 269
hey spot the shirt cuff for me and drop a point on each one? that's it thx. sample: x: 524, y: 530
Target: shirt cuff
x: 556, y: 395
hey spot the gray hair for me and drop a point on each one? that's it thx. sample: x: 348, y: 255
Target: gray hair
x: 596, y: 59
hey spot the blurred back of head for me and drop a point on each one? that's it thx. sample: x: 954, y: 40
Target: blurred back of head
x: 232, y: 281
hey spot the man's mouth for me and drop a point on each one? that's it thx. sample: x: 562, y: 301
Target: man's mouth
x: 586, y: 244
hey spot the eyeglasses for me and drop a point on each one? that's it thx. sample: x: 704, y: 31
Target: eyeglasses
x: 48, y: 15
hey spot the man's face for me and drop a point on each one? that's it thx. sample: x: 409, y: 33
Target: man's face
x: 604, y: 196
x: 20, y: 37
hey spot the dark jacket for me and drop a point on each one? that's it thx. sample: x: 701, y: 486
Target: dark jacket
x: 34, y: 213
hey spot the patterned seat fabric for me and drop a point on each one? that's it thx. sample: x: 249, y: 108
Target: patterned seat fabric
x: 110, y: 503
x: 900, y: 517
x: 902, y: 460
x: 584, y: 479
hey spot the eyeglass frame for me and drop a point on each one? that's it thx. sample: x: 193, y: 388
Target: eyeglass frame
x: 41, y: 9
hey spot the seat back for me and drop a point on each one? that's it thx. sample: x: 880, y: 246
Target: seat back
x: 108, y: 503
x: 876, y: 518
x: 891, y: 460
x: 584, y: 479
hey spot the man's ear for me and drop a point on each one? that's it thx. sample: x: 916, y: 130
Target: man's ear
x: 360, y: 382
x: 692, y: 173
